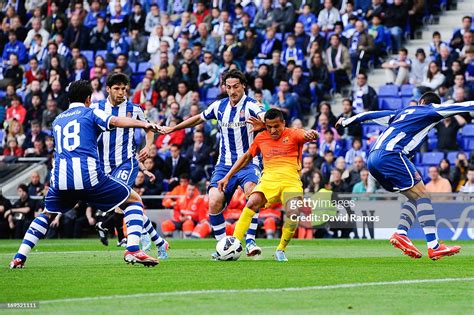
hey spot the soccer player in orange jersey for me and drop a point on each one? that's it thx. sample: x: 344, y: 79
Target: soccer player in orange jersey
x: 281, y: 149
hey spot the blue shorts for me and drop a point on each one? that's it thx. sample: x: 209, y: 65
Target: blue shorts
x: 250, y: 173
x: 107, y: 195
x: 127, y: 172
x: 393, y: 170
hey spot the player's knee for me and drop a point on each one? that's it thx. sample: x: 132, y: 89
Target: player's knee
x: 216, y: 201
x: 134, y: 197
x: 255, y: 202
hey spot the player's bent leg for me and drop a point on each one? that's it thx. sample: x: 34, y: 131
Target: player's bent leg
x: 37, y: 230
x: 427, y: 219
x: 400, y: 239
x: 216, y: 217
x: 133, y: 210
x: 256, y: 201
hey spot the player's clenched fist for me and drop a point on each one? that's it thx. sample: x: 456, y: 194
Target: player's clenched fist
x: 311, y: 135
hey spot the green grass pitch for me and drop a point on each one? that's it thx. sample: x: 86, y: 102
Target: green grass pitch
x: 84, y: 277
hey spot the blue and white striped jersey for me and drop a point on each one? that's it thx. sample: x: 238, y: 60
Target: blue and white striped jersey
x: 76, y: 161
x: 236, y: 135
x: 118, y: 145
x: 408, y: 127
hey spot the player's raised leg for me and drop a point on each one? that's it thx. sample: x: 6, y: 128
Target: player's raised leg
x: 400, y: 239
x: 255, y: 202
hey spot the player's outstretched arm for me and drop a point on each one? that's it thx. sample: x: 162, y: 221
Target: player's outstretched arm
x: 447, y: 110
x: 190, y: 122
x: 125, y: 122
x: 379, y: 117
x: 241, y: 162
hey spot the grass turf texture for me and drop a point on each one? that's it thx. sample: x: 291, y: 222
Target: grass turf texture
x: 64, y: 269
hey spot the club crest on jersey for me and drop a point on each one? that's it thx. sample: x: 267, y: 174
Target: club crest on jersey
x: 286, y: 139
x: 242, y: 113
x: 417, y: 176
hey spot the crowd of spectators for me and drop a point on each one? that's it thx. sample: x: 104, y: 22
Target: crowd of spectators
x: 295, y: 55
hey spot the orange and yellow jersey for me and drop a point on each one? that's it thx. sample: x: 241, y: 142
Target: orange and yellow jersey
x: 282, y: 157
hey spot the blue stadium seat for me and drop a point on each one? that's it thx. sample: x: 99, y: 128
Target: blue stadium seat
x: 391, y: 103
x: 432, y: 133
x: 406, y: 101
x: 432, y: 144
x: 407, y: 90
x: 89, y: 54
x: 2, y: 95
x: 369, y: 130
x: 212, y: 93
x: 390, y: 90
x: 431, y: 158
x: 2, y: 135
x: 133, y: 65
x: 451, y: 156
x: 468, y: 130
x: 468, y: 144
x: 102, y: 53
x: 136, y: 79
x: 110, y: 65
x: 142, y: 66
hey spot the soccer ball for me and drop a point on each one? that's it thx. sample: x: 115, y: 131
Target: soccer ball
x: 229, y: 248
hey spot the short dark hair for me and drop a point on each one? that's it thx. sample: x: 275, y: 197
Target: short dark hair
x: 117, y: 78
x: 430, y: 98
x: 273, y: 113
x: 467, y: 17
x: 79, y: 91
x: 404, y: 50
x: 184, y: 175
x: 436, y: 33
x: 177, y: 146
x: 23, y: 187
x: 234, y: 74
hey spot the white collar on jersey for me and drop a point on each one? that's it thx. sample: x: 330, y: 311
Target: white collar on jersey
x: 239, y: 103
x: 76, y: 104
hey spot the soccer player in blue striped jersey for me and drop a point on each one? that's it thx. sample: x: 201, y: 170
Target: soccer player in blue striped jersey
x: 389, y: 164
x: 76, y: 174
x: 236, y: 116
x: 117, y: 153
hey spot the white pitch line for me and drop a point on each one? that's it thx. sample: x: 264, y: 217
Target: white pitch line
x: 261, y: 290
